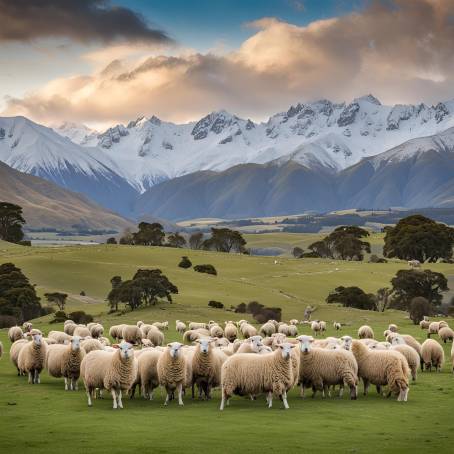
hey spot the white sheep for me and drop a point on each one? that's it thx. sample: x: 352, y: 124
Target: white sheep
x: 267, y: 329
x: 69, y: 326
x: 424, y: 324
x: 247, y: 330
x: 432, y: 354
x: 14, y: 353
x: 446, y: 334
x: 393, y: 328
x: 15, y: 333
x: 96, y: 330
x: 81, y: 331
x: 32, y: 357
x: 180, y: 327
x: 148, y: 371
x: 27, y: 327
x: 216, y: 331
x: 247, y: 374
x: 251, y: 345
x: 155, y: 336
x: 337, y: 326
x: 414, y: 264
x: 60, y: 337
x: 230, y: 331
x: 161, y: 325
x: 92, y: 344
x: 315, y: 327
x: 433, y: 328
x: 196, y: 325
x: 322, y: 325
x: 114, y: 371
x: 294, y: 321
x: 412, y: 357
x: 365, y: 332
x: 132, y: 334
x: 115, y: 331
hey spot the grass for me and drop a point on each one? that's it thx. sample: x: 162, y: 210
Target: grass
x: 45, y: 418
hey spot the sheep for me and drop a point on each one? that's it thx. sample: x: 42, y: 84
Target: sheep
x: 442, y: 324
x: 322, y: 325
x: 114, y: 371
x: 230, y: 331
x: 446, y: 334
x: 115, y: 332
x: 132, y: 334
x: 323, y: 368
x: 267, y: 329
x: 283, y: 329
x: 294, y: 321
x: 195, y: 325
x: 315, y: 327
x: 155, y: 336
x: 69, y: 328
x: 91, y: 344
x: 27, y: 327
x: 432, y: 354
x: 346, y: 342
x: 191, y: 336
x: 337, y: 326
x: 365, y: 332
x: 382, y: 367
x: 14, y: 353
x: 180, y: 327
x: 161, y: 325
x: 148, y: 372
x: 206, y: 367
x: 292, y: 331
x: 81, y: 331
x: 414, y: 264
x: 15, y: 333
x: 139, y: 323
x: 412, y: 357
x: 251, y: 345
x: 392, y: 327
x: 247, y: 330
x: 96, y: 330
x: 216, y: 331
x: 104, y: 341
x: 32, y: 357
x: 221, y: 342
x: 50, y: 340
x: 412, y: 342
x: 64, y: 361
x: 433, y: 328
x: 424, y: 324
x: 172, y: 371
x: 246, y: 374
x: 60, y: 337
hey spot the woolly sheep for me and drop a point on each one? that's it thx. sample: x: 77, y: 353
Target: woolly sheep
x: 191, y: 336
x: 60, y: 337
x: 14, y: 353
x: 115, y: 332
x: 230, y: 331
x: 382, y: 367
x: 433, y: 328
x: 64, y: 361
x: 294, y: 321
x: 251, y: 345
x: 114, y: 371
x: 337, y: 326
x: 206, y: 367
x: 323, y: 368
x: 69, y: 328
x: 148, y: 372
x: 27, y: 327
x: 246, y: 374
x: 442, y: 324
x: 315, y: 327
x: 195, y: 325
x: 322, y: 325
x: 424, y: 324
x: 365, y: 332
x: 283, y: 329
x: 393, y: 328
x: 172, y: 371
x: 267, y: 329
x: 432, y: 354
x: 216, y: 331
x: 410, y: 354
x: 15, y: 333
x: 446, y: 334
x: 161, y: 325
x: 132, y: 334
x: 292, y: 331
x: 139, y: 323
x: 247, y: 330
x: 81, y: 331
x: 104, y: 341
x: 180, y: 327
x: 155, y: 336
x: 91, y: 344
x: 32, y: 357
x: 96, y: 330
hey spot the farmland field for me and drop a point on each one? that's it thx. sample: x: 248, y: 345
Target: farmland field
x: 45, y: 418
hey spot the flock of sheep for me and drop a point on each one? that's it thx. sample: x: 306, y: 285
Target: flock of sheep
x: 237, y: 357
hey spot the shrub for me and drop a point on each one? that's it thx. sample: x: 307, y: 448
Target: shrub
x: 185, y: 262
x: 352, y: 297
x: 6, y: 321
x: 80, y: 317
x: 297, y: 252
x: 310, y: 255
x: 419, y: 307
x: 209, y: 269
x: 60, y: 317
x: 111, y: 240
x: 241, y: 308
x: 268, y: 313
x: 376, y: 259
x: 82, y: 293
x: 254, y: 307
x: 46, y: 310
x: 25, y: 243
x: 216, y: 304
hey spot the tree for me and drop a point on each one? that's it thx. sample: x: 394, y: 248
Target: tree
x: 114, y: 295
x: 352, y: 297
x: 111, y: 240
x: 297, y: 252
x: 57, y: 298
x: 419, y: 307
x: 149, y: 234
x: 11, y: 222
x: 408, y: 284
x: 383, y: 299
x: 419, y: 238
x: 176, y: 240
x: 127, y: 237
x: 225, y: 240
x: 196, y: 240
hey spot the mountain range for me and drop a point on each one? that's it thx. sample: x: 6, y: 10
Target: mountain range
x: 315, y: 156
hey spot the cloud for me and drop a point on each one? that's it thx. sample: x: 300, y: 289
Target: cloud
x: 401, y: 51
x: 81, y: 20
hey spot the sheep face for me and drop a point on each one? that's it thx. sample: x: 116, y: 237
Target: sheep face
x: 204, y: 345
x: 347, y: 342
x: 397, y: 340
x: 175, y: 349
x: 256, y: 343
x: 126, y: 350
x: 75, y: 343
x: 286, y: 350
x: 305, y: 343
x: 37, y: 339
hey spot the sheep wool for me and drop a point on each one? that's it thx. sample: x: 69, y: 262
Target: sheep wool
x: 424, y: 324
x: 81, y: 331
x: 148, y: 372
x: 180, y: 327
x: 446, y: 334
x: 14, y: 353
x: 432, y: 354
x: 155, y: 336
x: 230, y: 331
x: 365, y: 332
x: 15, y: 333
x: 32, y: 357
x: 92, y: 344
x: 267, y: 329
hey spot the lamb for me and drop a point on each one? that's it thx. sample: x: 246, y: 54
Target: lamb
x: 206, y: 367
x: 315, y: 327
x: 14, y: 353
x: 195, y: 325
x: 382, y: 367
x: 410, y: 354
x: 424, y: 324
x: 432, y: 354
x: 216, y: 331
x: 433, y: 328
x: 115, y: 332
x: 81, y: 331
x: 251, y: 345
x: 337, y: 326
x: 161, y: 325
x: 172, y: 371
x: 267, y: 329
x: 60, y: 337
x: 64, y: 361
x: 69, y: 328
x: 96, y: 330
x: 132, y: 334
x: 15, y: 333
x: 32, y: 357
x: 365, y: 332
x: 104, y: 341
x: 283, y: 329
x: 247, y: 330
x: 91, y: 344
x: 180, y: 327
x: 114, y: 371
x: 230, y: 331
x: 446, y: 334
x: 246, y: 374
x: 148, y: 372
x: 155, y: 336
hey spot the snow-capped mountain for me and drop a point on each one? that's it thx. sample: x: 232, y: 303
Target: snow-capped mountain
x: 78, y: 133
x: 320, y: 133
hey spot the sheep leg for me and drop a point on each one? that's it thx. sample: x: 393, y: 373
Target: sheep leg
x: 66, y: 384
x: 167, y: 398
x: 75, y: 384
x: 145, y: 393
x: 341, y: 391
x: 114, y: 397
x: 366, y: 386
x: 89, y: 394
x: 326, y: 392
x: 270, y: 399
x: 37, y: 377
x: 302, y: 388
x: 284, y: 399
x: 120, y: 403
x: 222, y: 400
x: 406, y: 394
x: 193, y: 393
x: 352, y: 392
x: 378, y: 388
x: 180, y: 394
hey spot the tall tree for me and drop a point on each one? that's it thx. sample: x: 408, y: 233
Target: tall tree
x: 196, y: 240
x: 57, y: 298
x: 225, y: 240
x: 149, y: 234
x: 11, y: 222
x: 176, y: 240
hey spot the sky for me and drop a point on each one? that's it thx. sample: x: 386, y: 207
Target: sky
x: 102, y: 62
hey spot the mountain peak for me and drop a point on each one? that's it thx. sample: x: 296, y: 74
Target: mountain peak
x: 368, y: 98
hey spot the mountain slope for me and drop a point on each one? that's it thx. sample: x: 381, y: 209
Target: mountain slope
x: 47, y: 205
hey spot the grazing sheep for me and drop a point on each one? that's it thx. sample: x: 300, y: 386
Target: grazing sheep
x: 251, y: 345
x: 180, y: 327
x: 432, y: 354
x: 267, y: 329
x: 410, y: 354
x: 69, y: 328
x: 64, y: 361
x: 246, y: 374
x: 433, y: 328
x: 161, y: 325
x: 27, y: 327
x: 91, y: 344
x: 230, y: 331
x: 115, y: 332
x: 365, y: 332
x: 148, y: 372
x: 206, y: 367
x: 424, y: 324
x: 446, y: 334
x: 191, y: 336
x: 442, y: 324
x: 32, y: 357
x: 96, y: 330
x: 283, y: 329
x: 337, y: 326
x: 247, y: 330
x: 132, y: 334
x: 15, y: 333
x: 393, y: 328
x: 346, y: 342
x: 155, y: 336
x: 323, y: 368
x: 114, y: 371
x: 81, y: 331
x: 322, y: 325
x: 294, y: 321
x: 315, y: 327
x: 172, y: 371
x: 104, y: 341
x: 292, y: 331
x: 382, y: 367
x: 139, y: 323
x: 14, y: 353
x: 216, y: 331
x: 196, y: 325
x: 221, y: 342
x: 60, y: 337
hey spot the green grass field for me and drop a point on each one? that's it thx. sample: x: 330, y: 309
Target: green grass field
x: 45, y: 418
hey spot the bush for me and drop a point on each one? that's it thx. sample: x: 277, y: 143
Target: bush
x: 241, y: 308
x: 25, y: 243
x: 7, y: 321
x: 268, y: 313
x: 297, y: 252
x: 111, y: 240
x: 209, y: 269
x: 310, y: 255
x: 376, y: 259
x: 80, y: 317
x: 216, y: 304
x: 254, y: 307
x: 185, y: 262
x: 60, y: 317
x: 352, y: 297
x: 419, y: 307
x: 46, y: 310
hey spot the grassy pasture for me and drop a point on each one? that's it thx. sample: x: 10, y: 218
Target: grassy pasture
x: 45, y: 418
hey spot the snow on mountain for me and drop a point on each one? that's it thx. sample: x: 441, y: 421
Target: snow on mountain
x: 321, y: 133
x: 78, y: 133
